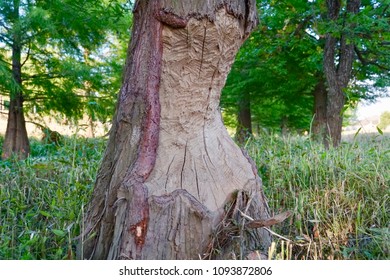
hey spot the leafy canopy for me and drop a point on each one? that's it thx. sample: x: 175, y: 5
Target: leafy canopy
x: 72, y: 53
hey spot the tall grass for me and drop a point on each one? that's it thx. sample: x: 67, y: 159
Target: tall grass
x: 42, y: 199
x: 339, y: 197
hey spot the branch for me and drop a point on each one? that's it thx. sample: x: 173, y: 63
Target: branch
x: 6, y: 40
x: 37, y: 98
x: 28, y: 53
x: 263, y: 224
x: 45, y: 76
x: 90, y: 96
x: 2, y: 23
x: 5, y: 62
x: 366, y: 62
x: 302, y: 25
x: 385, y: 43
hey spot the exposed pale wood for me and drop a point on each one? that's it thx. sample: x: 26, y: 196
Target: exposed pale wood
x: 195, y: 151
x: 243, y: 10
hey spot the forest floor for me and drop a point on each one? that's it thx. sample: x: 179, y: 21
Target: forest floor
x: 340, y: 198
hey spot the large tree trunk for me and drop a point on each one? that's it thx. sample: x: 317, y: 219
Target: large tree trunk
x: 16, y: 139
x: 319, y: 126
x: 338, y: 59
x: 244, y: 119
x: 171, y: 173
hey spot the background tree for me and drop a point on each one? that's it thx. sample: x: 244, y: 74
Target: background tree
x: 276, y: 69
x: 338, y: 61
x: 43, y: 43
x: 281, y: 66
x: 171, y: 173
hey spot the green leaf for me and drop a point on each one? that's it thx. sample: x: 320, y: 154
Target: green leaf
x: 357, y: 133
x: 379, y: 130
x: 44, y: 213
x: 58, y: 232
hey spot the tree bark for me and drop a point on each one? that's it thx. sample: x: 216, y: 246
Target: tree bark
x: 244, y: 119
x: 170, y: 166
x: 319, y: 126
x: 338, y: 59
x: 16, y: 140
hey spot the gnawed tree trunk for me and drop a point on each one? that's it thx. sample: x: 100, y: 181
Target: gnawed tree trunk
x: 16, y: 139
x: 171, y: 170
x: 338, y: 59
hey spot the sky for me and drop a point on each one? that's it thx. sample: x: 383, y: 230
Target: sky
x: 367, y: 110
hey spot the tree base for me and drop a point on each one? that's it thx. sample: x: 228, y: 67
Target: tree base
x: 170, y: 166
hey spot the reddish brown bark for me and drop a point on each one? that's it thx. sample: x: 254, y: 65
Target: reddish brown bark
x: 131, y: 150
x: 16, y: 140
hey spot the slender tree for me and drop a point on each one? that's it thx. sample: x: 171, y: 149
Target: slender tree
x: 16, y: 134
x: 41, y: 59
x: 171, y: 174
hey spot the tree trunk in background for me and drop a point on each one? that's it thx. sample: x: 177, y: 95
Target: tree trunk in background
x: 170, y: 172
x: 244, y: 119
x: 319, y: 126
x: 338, y: 59
x: 16, y: 140
x: 284, y: 126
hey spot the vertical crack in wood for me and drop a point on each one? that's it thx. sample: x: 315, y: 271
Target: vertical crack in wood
x: 203, y: 48
x: 196, y: 180
x: 182, y: 168
x: 168, y: 172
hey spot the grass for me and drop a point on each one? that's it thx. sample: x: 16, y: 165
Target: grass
x: 42, y: 199
x: 339, y: 197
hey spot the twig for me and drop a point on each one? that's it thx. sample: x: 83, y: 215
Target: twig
x: 270, y: 231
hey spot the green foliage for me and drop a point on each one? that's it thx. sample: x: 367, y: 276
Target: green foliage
x: 384, y: 120
x: 72, y: 54
x: 280, y: 64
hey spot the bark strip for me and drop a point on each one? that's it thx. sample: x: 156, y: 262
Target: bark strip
x: 131, y: 152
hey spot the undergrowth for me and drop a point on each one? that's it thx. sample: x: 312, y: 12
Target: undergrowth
x: 42, y: 199
x: 339, y: 197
